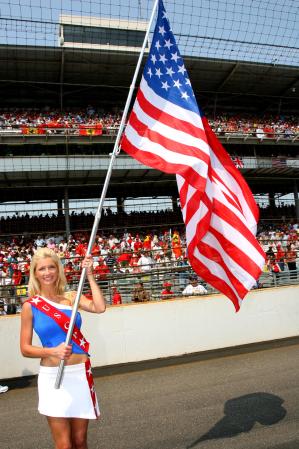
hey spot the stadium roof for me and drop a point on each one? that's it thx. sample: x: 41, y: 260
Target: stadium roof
x: 35, y: 76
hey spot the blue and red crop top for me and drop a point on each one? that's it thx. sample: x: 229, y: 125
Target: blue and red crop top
x: 49, y: 332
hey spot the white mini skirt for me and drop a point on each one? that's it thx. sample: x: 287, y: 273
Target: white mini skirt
x: 76, y: 397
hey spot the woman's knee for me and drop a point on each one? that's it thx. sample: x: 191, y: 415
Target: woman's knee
x: 79, y: 441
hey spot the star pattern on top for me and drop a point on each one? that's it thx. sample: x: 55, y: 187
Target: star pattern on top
x: 165, y: 71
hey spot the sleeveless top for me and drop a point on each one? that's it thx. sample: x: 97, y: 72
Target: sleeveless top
x: 49, y: 332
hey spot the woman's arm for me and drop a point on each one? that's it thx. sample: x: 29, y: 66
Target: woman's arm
x: 98, y: 304
x: 27, y: 349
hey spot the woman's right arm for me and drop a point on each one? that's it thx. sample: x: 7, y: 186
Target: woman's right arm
x: 27, y: 349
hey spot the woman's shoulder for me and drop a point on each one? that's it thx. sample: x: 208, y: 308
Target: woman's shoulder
x: 26, y: 308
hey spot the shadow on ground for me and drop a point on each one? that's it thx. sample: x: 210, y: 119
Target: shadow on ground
x: 240, y: 415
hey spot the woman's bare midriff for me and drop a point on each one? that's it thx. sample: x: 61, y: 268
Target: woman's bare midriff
x: 73, y: 360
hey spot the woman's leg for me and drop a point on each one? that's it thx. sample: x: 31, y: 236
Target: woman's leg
x: 79, y: 428
x: 61, y: 432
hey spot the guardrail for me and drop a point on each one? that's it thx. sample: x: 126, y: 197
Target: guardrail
x: 153, y: 283
x: 93, y: 131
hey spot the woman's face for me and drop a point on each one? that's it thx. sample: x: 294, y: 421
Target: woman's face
x: 46, y: 272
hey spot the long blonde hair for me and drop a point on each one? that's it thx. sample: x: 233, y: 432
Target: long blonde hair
x: 34, y: 285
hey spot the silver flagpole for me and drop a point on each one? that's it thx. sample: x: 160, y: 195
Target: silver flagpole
x: 115, y: 152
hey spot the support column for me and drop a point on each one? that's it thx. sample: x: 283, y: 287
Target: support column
x: 215, y: 106
x: 120, y: 201
x: 59, y: 207
x: 174, y: 203
x: 272, y: 205
x: 67, y: 213
x: 296, y: 199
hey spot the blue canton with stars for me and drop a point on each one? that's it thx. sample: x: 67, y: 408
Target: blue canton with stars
x: 165, y: 71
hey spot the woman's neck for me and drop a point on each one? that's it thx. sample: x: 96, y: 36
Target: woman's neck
x: 49, y: 293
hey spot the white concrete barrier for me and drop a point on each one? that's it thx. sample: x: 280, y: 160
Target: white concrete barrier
x: 137, y: 332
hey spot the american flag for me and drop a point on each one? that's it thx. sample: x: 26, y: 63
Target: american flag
x: 167, y: 131
x: 238, y: 161
x: 279, y: 162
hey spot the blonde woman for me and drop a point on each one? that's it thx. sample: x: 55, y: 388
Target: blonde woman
x: 47, y: 312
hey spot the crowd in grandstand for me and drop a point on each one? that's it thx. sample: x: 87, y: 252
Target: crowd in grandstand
x: 46, y: 121
x: 137, y: 254
x: 91, y: 120
x: 264, y: 127
x: 11, y: 224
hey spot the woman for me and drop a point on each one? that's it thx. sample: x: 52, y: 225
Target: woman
x: 47, y: 312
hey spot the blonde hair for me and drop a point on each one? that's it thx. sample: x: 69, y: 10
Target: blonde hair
x: 34, y: 285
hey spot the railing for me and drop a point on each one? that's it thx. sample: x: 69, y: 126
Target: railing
x: 93, y: 131
x: 153, y: 283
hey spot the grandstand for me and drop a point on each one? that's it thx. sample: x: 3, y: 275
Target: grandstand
x: 58, y: 63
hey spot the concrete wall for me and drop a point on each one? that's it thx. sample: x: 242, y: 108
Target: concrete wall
x: 153, y: 330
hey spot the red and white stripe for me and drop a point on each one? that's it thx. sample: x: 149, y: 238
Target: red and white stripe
x: 91, y: 386
x: 217, y: 205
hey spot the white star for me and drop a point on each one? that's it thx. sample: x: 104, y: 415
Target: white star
x: 35, y: 300
x: 164, y: 15
x: 149, y: 72
x: 174, y: 56
x: 169, y: 71
x: 92, y: 390
x: 185, y: 95
x: 165, y: 86
x: 82, y: 342
x: 163, y: 58
x: 168, y: 44
x: 162, y: 30
x: 187, y: 82
x: 154, y: 59
x: 182, y: 69
x: 89, y: 371
x: 159, y: 73
x: 157, y: 45
x: 177, y: 84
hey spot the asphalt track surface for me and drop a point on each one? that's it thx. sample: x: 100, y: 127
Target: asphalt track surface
x: 237, y: 401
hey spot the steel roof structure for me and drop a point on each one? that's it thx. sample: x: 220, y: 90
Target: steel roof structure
x: 67, y: 76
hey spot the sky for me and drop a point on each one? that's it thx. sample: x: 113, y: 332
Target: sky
x: 256, y: 30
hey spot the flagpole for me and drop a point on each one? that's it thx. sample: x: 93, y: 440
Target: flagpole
x: 98, y: 214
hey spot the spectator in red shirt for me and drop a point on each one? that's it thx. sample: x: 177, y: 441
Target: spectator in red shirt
x: 147, y: 242
x: 17, y: 276
x: 167, y: 289
x: 116, y: 296
x: 124, y: 259
x: 81, y: 248
x: 137, y: 244
x: 69, y: 272
x: 101, y: 270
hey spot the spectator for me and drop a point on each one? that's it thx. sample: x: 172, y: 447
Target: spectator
x: 116, y: 296
x: 3, y: 277
x: 139, y: 293
x: 39, y: 242
x: 2, y: 309
x: 167, y: 289
x: 145, y: 262
x: 291, y: 261
x: 17, y: 276
x: 194, y: 288
x: 110, y: 261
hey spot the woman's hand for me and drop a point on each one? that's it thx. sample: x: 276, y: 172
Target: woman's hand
x: 87, y: 263
x: 63, y: 351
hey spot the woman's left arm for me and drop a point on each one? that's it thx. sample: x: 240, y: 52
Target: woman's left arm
x: 97, y: 304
